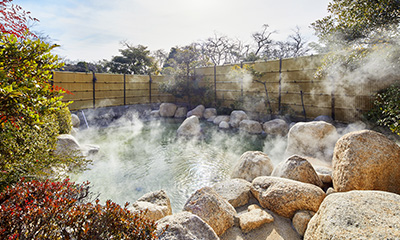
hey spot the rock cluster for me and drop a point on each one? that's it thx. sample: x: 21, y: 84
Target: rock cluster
x: 156, y: 205
x: 326, y: 188
x: 67, y: 144
x: 237, y: 119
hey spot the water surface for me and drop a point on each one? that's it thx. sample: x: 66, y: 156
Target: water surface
x: 137, y: 157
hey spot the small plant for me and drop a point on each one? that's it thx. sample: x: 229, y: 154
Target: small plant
x: 60, y: 210
x: 386, y: 110
x: 63, y: 117
x: 190, y: 90
x: 256, y: 76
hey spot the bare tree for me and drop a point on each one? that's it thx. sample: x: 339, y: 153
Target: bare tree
x: 239, y: 51
x: 217, y: 48
x: 298, y: 43
x: 294, y: 46
x: 222, y: 49
x: 263, y: 40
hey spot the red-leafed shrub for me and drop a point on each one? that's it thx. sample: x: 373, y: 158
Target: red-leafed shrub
x: 59, y: 210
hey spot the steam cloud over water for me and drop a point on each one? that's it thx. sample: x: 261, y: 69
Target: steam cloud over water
x: 139, y: 157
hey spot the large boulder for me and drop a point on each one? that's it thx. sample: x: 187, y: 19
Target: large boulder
x: 250, y: 126
x: 299, y: 169
x: 67, y: 144
x: 314, y: 139
x: 285, y: 196
x: 366, y: 160
x: 184, y: 226
x: 76, y: 122
x: 357, y: 215
x: 236, y: 117
x: 212, y: 208
x: 221, y: 118
x: 190, y: 127
x: 180, y: 112
x: 167, y: 109
x: 276, y: 127
x: 236, y: 191
x: 197, y: 111
x: 209, y: 113
x: 253, y: 164
x: 156, y: 205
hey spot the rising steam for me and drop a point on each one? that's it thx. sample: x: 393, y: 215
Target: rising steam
x: 137, y: 157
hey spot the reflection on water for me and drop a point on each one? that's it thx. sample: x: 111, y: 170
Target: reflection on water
x: 136, y: 158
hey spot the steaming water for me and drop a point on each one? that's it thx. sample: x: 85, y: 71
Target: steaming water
x: 137, y: 158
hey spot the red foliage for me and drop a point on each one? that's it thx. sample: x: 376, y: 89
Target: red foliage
x: 61, y: 89
x: 13, y: 19
x: 57, y: 210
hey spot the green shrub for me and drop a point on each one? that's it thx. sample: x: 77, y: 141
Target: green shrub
x: 28, y: 152
x: 64, y: 120
x: 29, y: 111
x: 189, y: 90
x: 386, y: 110
x: 61, y: 210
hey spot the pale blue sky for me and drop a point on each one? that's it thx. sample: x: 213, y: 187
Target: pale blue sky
x: 92, y: 30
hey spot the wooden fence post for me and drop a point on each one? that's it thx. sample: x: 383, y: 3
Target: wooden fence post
x: 94, y: 89
x: 150, y: 80
x: 333, y: 98
x: 241, y: 83
x: 124, y: 89
x: 215, y: 83
x: 302, y: 104
x: 280, y: 86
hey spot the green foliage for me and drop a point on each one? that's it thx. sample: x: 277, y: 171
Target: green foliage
x: 386, y: 110
x: 60, y: 210
x: 82, y: 66
x: 133, y: 60
x: 190, y: 90
x: 182, y: 61
x: 25, y: 71
x: 358, y: 19
x: 182, y: 82
x: 63, y: 117
x: 357, y: 31
x: 29, y: 112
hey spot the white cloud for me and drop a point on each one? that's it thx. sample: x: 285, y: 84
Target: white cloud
x: 91, y: 30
